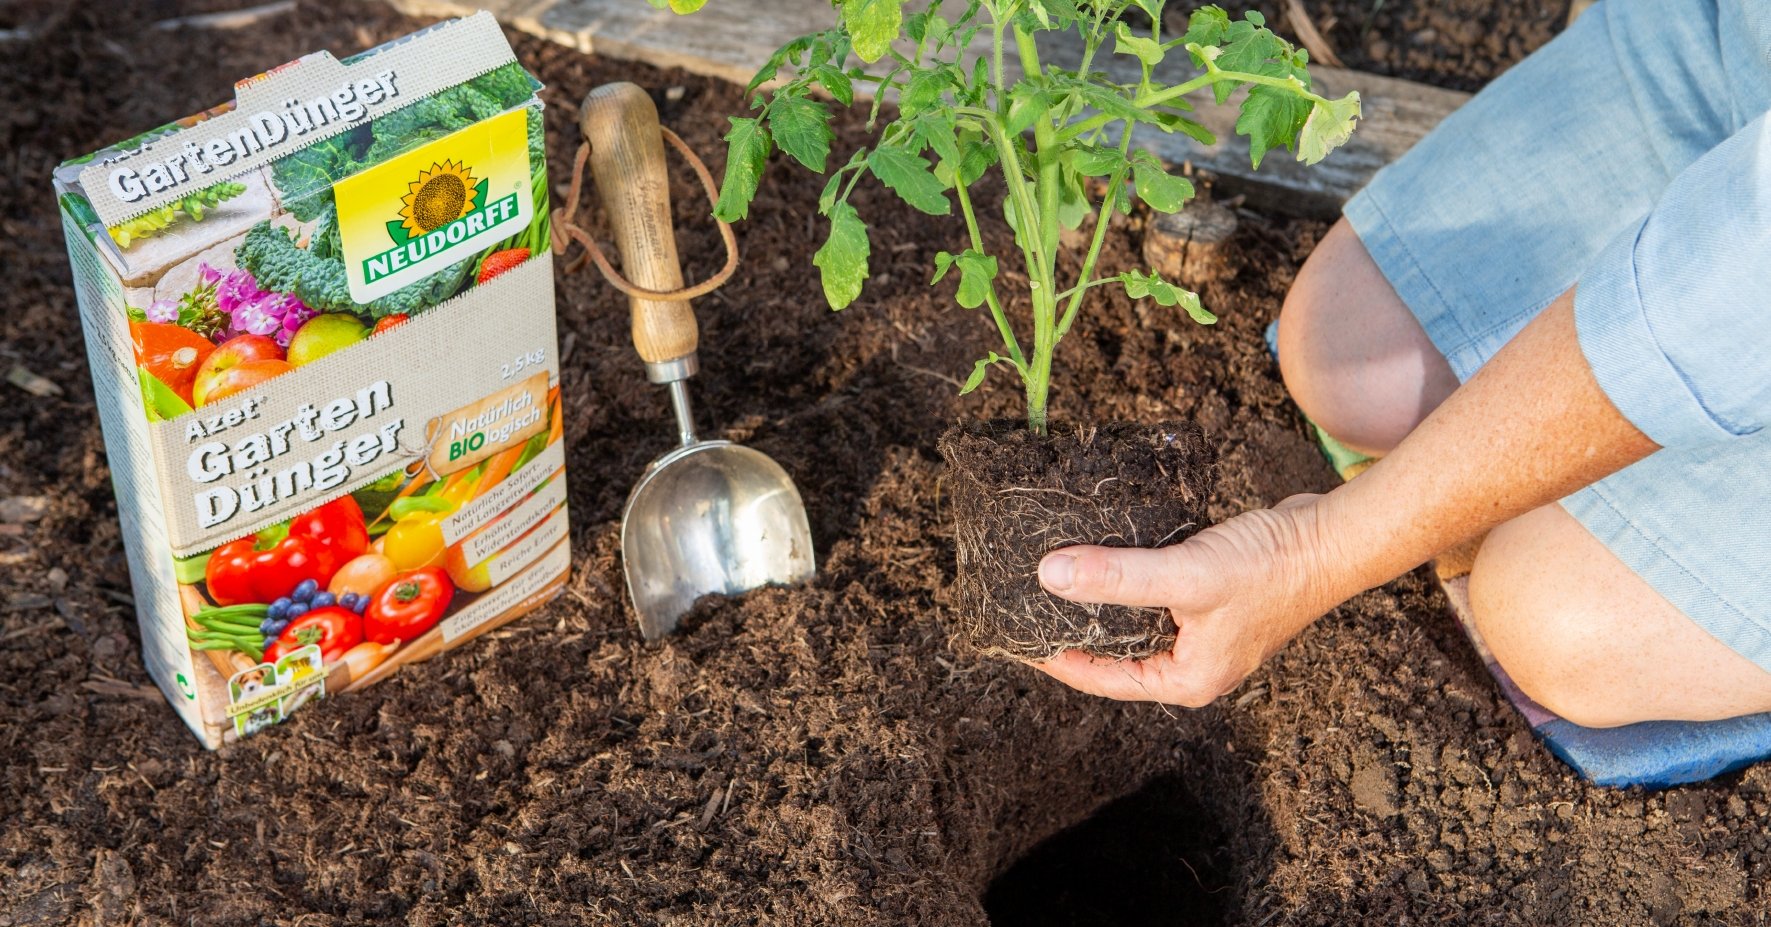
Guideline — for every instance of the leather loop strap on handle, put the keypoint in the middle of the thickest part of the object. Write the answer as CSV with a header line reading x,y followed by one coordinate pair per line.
x,y
562,222
623,145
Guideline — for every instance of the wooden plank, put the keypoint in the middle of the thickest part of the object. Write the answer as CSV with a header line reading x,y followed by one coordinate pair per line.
x,y
730,38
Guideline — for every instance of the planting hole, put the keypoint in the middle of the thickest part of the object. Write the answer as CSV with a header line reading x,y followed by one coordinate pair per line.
x,y
1156,856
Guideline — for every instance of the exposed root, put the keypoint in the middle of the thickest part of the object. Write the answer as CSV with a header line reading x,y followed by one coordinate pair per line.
x,y
1016,497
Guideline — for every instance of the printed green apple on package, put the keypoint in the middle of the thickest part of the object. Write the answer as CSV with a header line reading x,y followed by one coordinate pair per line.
x,y
320,322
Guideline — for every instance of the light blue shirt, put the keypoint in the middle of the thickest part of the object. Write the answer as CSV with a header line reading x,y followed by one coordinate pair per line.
x,y
1675,314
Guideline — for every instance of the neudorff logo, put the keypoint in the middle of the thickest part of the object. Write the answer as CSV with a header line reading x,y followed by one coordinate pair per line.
x,y
423,212
446,207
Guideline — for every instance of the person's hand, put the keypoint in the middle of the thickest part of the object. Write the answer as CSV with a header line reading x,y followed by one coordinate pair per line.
x,y
1237,591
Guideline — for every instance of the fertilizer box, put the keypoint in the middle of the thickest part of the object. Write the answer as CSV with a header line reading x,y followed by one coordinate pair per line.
x,y
320,322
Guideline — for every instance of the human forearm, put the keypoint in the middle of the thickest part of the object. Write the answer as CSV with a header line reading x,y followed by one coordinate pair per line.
x,y
1530,427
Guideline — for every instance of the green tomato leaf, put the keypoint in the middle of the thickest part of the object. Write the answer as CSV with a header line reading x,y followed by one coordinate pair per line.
x,y
1144,48
1140,285
827,198
1137,285
1159,189
1328,127
978,370
980,81
785,55
835,83
1152,7
977,272
1112,102
935,128
1093,160
943,263
976,157
924,91
747,152
1251,48
1072,197
916,25
842,261
1190,302
1243,45
936,29
833,187
801,127
1207,25
1056,14
907,174
1027,102
873,24
1175,122
1271,118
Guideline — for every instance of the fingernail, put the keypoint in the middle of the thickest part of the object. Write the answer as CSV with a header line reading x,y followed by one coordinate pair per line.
x,y
1057,571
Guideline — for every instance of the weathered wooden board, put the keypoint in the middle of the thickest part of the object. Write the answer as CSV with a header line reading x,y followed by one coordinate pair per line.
x,y
730,38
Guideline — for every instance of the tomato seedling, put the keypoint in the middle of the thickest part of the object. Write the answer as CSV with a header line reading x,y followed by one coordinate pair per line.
x,y
1045,134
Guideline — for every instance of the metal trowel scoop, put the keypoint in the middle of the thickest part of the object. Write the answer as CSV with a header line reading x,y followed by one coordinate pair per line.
x,y
710,516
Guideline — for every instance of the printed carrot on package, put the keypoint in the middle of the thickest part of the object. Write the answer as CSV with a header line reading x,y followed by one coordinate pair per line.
x,y
320,322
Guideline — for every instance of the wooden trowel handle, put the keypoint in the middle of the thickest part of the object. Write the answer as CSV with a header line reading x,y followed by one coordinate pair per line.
x,y
627,162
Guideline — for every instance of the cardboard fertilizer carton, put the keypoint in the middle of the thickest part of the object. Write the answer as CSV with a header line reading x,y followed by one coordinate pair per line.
x,y
320,322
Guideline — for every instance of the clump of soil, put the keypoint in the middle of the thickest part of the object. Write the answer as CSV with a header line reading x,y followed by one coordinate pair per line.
x,y
819,755
1017,496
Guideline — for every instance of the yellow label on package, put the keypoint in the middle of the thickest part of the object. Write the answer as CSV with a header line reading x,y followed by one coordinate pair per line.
x,y
410,216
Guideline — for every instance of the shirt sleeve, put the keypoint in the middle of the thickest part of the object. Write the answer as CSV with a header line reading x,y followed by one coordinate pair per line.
x,y
1674,316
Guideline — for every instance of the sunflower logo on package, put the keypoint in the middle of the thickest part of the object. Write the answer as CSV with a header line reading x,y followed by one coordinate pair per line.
x,y
427,213
446,192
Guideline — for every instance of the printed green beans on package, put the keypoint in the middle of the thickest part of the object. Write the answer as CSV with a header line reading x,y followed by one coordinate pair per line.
x,y
320,322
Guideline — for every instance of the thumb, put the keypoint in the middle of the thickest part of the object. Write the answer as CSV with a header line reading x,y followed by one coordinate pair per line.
x,y
1117,575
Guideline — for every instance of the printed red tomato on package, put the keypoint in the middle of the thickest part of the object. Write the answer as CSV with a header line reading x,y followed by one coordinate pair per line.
x,y
409,606
268,565
334,628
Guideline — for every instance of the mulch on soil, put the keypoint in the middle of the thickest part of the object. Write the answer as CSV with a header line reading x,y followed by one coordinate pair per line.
x,y
818,755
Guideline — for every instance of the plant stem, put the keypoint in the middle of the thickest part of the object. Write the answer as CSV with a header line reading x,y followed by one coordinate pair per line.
x,y
1099,281
1008,333
1043,232
996,27
1211,76
1020,199
1115,190
1094,251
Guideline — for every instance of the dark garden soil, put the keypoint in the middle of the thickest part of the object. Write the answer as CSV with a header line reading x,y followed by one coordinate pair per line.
x,y
811,756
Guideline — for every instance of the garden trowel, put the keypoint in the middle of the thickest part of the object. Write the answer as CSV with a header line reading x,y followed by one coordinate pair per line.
x,y
710,516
